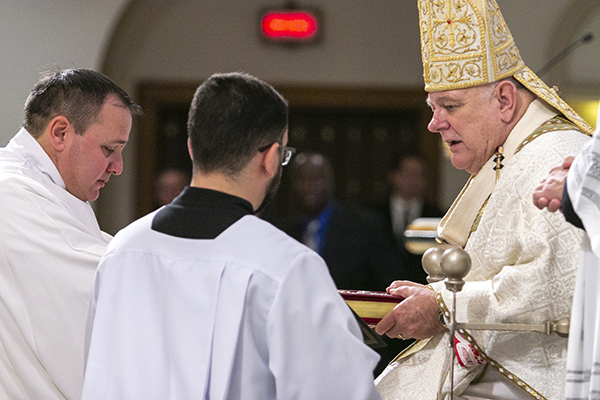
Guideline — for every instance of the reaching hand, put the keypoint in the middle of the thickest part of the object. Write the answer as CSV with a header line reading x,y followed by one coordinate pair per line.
x,y
417,316
548,194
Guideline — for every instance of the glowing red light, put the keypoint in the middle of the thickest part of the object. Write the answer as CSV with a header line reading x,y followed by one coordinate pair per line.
x,y
290,25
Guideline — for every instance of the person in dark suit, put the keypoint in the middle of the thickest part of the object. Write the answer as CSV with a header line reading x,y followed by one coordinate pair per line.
x,y
408,181
351,239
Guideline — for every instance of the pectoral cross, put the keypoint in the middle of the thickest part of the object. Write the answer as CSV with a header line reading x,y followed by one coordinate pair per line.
x,y
499,157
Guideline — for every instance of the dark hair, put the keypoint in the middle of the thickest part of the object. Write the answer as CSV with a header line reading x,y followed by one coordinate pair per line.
x,y
231,117
77,94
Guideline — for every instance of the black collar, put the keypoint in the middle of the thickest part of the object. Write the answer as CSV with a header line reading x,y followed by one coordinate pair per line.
x,y
200,214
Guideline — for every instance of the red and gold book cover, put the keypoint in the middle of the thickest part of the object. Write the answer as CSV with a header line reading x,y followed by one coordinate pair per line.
x,y
370,306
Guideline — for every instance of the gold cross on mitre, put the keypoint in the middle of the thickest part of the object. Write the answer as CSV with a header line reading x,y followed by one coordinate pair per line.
x,y
450,20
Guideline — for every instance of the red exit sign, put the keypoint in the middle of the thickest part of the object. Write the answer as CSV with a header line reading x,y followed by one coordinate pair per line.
x,y
290,26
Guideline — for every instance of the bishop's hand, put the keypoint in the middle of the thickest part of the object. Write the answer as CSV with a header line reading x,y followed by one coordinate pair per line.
x,y
417,316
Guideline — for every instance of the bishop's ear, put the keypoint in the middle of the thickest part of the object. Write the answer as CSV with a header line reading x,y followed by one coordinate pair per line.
x,y
507,96
58,131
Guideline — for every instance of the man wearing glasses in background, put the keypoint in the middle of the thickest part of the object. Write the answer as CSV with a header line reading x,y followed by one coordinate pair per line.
x,y
202,299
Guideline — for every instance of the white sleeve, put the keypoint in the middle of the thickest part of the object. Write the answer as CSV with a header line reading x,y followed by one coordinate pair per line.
x,y
47,263
583,185
316,350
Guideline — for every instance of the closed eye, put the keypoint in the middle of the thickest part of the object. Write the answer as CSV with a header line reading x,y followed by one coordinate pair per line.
x,y
107,151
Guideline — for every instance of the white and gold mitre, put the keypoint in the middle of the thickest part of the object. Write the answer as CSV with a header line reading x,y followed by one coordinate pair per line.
x,y
466,43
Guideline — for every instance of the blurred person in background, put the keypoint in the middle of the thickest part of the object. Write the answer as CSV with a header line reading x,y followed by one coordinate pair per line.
x,y
351,239
408,181
169,184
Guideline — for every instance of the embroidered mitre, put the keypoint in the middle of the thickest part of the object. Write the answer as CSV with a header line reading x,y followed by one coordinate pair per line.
x,y
466,43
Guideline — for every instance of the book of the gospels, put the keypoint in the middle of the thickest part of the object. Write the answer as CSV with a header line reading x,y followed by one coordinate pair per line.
x,y
369,308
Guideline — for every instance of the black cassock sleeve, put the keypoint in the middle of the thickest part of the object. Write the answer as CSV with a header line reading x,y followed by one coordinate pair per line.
x,y
568,211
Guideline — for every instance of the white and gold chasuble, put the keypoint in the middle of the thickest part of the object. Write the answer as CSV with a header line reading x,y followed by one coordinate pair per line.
x,y
523,270
524,260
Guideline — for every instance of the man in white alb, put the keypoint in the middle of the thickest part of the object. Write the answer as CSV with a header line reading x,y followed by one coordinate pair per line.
x,y
202,299
76,124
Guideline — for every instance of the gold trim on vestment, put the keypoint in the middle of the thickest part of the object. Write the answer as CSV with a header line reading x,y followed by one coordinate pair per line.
x,y
413,348
537,86
478,217
557,123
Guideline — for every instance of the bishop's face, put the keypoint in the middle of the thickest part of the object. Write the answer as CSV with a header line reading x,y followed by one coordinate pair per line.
x,y
468,121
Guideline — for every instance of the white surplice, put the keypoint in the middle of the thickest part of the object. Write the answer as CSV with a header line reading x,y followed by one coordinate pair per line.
x,y
251,314
50,245
583,359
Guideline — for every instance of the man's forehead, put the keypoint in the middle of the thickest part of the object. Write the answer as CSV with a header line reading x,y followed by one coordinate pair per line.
x,y
110,136
118,141
451,95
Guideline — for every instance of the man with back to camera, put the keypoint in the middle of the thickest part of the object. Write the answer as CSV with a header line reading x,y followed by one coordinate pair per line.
x,y
507,128
76,124
202,299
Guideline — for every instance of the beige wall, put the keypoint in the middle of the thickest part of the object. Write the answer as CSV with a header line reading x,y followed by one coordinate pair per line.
x,y
365,43
36,35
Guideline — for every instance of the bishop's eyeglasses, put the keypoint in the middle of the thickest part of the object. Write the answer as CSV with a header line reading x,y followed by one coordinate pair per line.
x,y
286,151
